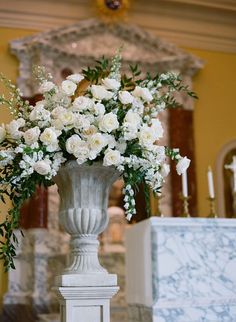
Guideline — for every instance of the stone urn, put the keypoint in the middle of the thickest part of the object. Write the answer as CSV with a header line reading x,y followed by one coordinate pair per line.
x,y
85,287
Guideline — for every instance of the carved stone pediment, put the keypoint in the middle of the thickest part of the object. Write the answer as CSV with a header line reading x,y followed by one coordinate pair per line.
x,y
74,47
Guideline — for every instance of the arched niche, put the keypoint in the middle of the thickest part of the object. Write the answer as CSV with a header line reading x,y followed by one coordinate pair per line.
x,y
71,48
224,180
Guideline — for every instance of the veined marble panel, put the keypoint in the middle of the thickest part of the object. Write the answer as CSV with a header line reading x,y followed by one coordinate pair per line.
x,y
189,273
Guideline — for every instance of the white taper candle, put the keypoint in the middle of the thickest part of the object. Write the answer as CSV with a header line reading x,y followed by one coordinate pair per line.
x,y
210,183
185,184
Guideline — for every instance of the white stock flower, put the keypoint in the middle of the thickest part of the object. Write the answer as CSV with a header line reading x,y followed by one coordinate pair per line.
x,y
112,157
42,167
111,83
143,92
130,131
76,78
182,165
132,118
108,122
31,136
100,92
97,142
125,97
146,136
157,129
68,87
39,113
82,103
2,133
13,130
46,86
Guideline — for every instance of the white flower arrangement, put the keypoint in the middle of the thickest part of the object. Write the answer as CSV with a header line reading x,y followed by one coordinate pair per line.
x,y
98,115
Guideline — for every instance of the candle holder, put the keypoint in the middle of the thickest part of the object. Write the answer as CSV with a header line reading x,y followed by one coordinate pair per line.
x,y
234,205
158,212
185,213
212,213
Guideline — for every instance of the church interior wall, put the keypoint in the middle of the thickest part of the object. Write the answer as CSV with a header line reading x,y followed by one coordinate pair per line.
x,y
215,111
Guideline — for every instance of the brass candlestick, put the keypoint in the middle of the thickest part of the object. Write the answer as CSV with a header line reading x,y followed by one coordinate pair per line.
x,y
158,212
212,213
185,213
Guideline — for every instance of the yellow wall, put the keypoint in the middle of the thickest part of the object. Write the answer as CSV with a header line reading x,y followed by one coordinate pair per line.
x,y
215,114
215,111
8,66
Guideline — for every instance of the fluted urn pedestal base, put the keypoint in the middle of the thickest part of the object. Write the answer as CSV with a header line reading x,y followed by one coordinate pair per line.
x,y
85,287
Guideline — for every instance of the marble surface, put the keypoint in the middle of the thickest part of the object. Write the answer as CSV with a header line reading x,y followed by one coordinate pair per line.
x,y
192,263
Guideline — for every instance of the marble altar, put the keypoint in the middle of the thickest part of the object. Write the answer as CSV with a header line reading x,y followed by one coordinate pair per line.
x,y
181,270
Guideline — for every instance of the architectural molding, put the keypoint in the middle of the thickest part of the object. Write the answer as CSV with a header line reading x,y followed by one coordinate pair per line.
x,y
208,25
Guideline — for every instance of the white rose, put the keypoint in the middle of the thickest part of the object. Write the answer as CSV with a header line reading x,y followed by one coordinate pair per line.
x,y
99,109
111,142
112,157
125,97
157,129
100,92
31,136
82,103
56,112
76,78
68,87
72,144
143,92
90,131
133,118
42,167
111,83
13,130
182,165
97,142
108,122
2,133
146,136
49,138
82,122
46,86
67,118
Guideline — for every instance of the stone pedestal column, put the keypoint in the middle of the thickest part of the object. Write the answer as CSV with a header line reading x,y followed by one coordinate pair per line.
x,y
85,287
